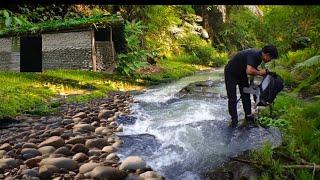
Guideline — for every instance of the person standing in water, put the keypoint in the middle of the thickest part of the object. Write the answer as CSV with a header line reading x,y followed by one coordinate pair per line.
x,y
236,72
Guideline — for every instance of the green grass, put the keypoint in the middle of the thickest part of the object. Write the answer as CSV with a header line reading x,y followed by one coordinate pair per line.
x,y
301,140
33,92
36,93
172,69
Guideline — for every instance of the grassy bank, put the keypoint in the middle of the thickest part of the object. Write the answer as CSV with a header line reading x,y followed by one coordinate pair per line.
x,y
300,124
35,93
296,112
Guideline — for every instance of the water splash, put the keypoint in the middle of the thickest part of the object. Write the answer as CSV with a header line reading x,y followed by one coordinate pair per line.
x,y
189,135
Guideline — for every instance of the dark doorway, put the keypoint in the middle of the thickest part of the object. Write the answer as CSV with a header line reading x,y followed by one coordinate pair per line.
x,y
31,54
102,34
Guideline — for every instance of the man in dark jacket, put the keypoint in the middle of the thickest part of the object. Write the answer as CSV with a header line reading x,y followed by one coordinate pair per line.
x,y
236,72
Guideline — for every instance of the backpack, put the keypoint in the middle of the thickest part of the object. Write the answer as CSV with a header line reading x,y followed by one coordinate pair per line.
x,y
269,87
265,93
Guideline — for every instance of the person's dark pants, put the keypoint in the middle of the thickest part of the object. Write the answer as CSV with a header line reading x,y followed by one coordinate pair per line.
x,y
231,84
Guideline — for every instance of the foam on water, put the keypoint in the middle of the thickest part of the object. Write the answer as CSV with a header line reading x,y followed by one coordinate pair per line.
x,y
193,133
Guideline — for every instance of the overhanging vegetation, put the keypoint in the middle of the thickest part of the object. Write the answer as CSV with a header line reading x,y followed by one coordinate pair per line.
x,y
61,25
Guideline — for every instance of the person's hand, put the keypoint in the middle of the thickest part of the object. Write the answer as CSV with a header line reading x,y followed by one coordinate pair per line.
x,y
263,72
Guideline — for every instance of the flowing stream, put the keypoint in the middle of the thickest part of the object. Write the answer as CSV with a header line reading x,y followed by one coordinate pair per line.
x,y
182,137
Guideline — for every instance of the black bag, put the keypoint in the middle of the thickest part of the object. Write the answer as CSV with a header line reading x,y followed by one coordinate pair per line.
x,y
269,87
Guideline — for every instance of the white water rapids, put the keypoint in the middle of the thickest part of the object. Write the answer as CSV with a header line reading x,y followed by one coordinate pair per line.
x,y
184,137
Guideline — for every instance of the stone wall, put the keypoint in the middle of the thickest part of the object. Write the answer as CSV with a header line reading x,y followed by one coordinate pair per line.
x,y
4,60
105,59
71,50
8,60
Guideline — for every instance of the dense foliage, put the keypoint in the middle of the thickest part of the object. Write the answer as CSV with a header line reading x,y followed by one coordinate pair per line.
x,y
168,42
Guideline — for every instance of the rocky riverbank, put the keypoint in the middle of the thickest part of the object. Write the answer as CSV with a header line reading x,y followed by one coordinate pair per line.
x,y
79,143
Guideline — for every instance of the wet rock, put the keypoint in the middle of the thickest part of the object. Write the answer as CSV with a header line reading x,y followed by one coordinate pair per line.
x,y
18,145
111,173
30,173
31,178
29,145
2,153
113,124
54,141
112,156
47,150
88,167
79,177
61,162
150,174
108,149
105,114
63,150
8,163
99,130
57,132
76,120
76,140
132,176
67,122
80,115
33,162
46,171
94,152
94,158
111,119
83,128
111,140
117,144
6,147
80,157
133,163
120,128
106,132
56,155
79,148
96,143
28,153
95,124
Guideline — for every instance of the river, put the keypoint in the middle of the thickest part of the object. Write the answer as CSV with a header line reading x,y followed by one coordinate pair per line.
x,y
183,137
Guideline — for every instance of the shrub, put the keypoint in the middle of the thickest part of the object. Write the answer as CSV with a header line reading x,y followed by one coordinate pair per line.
x,y
206,54
136,57
292,58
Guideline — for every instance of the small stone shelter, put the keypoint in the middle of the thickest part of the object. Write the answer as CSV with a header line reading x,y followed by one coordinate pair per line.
x,y
91,46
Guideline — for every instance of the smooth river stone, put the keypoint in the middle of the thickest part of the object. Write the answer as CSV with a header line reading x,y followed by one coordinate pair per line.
x,y
88,167
76,140
54,141
133,163
60,162
102,172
